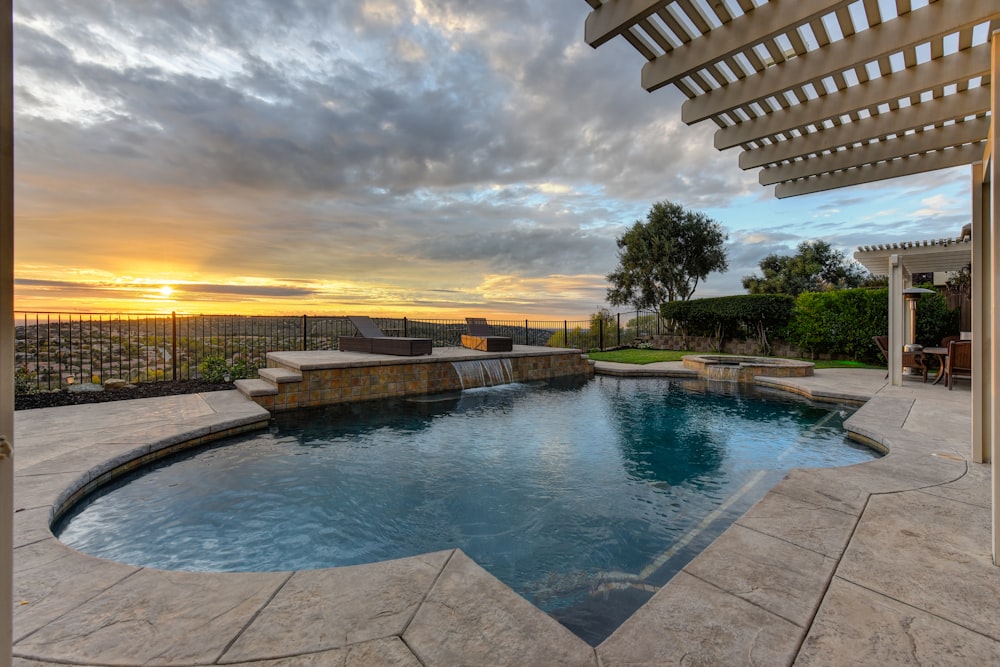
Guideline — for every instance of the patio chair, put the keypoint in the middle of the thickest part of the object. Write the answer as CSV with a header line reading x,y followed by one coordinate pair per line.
x,y
480,337
371,340
910,359
959,364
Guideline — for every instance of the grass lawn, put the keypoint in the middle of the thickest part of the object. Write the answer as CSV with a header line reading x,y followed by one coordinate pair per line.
x,y
636,356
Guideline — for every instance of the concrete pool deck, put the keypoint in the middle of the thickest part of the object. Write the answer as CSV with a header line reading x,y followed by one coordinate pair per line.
x,y
885,562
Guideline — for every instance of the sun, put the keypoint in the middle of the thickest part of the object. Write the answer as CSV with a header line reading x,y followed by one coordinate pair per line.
x,y
166,291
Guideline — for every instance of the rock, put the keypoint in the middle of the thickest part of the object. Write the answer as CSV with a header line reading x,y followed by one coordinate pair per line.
x,y
113,384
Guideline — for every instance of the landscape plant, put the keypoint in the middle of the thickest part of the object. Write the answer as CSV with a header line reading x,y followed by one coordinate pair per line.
x,y
815,267
664,258
842,322
757,316
216,369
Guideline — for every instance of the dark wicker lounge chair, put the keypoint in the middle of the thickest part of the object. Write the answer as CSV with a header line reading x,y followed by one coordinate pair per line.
x,y
480,337
370,339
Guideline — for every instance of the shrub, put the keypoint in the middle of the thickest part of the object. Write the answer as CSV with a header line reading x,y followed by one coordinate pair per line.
x,y
840,321
845,321
214,369
757,316
24,381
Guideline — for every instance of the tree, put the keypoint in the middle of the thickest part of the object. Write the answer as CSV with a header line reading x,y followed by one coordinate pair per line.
x,y
815,267
664,258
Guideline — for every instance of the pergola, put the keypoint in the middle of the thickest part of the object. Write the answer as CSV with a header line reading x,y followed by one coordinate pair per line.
x,y
823,94
900,261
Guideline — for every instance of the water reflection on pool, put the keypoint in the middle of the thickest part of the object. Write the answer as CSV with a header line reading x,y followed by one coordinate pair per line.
x,y
582,497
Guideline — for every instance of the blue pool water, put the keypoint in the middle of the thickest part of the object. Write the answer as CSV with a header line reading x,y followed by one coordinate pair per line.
x,y
582,497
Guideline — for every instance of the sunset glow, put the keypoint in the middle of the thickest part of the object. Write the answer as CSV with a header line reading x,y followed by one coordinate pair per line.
x,y
381,158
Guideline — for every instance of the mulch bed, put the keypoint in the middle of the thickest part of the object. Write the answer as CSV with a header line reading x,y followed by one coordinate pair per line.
x,y
51,399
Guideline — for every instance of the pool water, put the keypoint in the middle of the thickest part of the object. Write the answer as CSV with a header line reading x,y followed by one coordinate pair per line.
x,y
583,497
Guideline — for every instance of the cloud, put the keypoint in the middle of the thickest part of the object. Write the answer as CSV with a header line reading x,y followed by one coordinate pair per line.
x,y
404,150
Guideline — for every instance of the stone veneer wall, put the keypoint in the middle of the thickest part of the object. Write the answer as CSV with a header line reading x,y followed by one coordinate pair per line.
x,y
729,346
365,383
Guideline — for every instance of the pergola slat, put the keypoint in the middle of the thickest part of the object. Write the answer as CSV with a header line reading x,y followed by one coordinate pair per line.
x,y
937,139
963,65
615,18
898,35
737,36
970,102
917,164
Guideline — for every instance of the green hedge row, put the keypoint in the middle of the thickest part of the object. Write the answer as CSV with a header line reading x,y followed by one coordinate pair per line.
x,y
836,322
754,316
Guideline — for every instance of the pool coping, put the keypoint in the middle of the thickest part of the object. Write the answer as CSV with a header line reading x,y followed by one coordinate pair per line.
x,y
772,589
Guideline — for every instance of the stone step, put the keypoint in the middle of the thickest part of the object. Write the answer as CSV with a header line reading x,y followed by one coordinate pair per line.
x,y
251,388
279,375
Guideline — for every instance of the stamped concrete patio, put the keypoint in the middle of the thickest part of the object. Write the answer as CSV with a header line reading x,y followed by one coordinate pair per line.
x,y
885,562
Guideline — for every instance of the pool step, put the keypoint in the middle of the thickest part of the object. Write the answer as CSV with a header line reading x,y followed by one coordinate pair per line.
x,y
267,384
279,375
251,388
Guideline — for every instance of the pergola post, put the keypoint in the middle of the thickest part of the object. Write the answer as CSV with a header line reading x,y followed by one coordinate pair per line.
x,y
897,282
993,415
982,297
6,333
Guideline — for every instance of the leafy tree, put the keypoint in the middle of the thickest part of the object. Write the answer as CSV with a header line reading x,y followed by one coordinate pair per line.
x,y
664,258
815,267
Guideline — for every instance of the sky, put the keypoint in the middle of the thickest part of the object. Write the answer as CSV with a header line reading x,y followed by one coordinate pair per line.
x,y
435,158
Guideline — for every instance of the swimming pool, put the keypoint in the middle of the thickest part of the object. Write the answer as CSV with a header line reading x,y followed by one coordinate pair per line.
x,y
582,497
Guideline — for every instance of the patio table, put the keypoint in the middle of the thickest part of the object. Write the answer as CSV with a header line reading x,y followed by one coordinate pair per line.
x,y
942,356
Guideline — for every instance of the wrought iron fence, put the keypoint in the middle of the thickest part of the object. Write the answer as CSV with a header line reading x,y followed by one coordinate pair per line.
x,y
55,349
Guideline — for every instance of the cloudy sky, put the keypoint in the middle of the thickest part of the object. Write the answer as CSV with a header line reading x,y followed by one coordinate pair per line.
x,y
425,157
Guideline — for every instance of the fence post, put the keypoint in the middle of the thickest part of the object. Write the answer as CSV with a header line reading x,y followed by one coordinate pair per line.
x,y
173,345
600,332
526,332
405,328
619,343
305,332
565,334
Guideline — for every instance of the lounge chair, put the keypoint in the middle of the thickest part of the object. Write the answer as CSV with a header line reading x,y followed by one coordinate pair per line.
x,y
480,337
959,365
910,359
371,340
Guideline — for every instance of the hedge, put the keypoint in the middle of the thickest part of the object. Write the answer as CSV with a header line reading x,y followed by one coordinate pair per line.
x,y
757,316
838,321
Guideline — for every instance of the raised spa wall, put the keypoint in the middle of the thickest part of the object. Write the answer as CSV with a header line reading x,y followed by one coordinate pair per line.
x,y
295,380
745,369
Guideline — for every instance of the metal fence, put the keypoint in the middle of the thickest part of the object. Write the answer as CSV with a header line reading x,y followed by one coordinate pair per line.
x,y
54,349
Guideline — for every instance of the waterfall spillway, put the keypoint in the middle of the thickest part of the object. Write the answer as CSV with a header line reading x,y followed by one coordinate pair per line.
x,y
725,372
483,372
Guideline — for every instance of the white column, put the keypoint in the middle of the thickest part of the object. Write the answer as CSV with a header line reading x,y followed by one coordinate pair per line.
x,y
994,314
6,333
982,296
896,320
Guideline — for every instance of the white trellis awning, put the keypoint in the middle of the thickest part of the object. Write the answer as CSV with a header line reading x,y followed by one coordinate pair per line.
x,y
917,256
820,94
